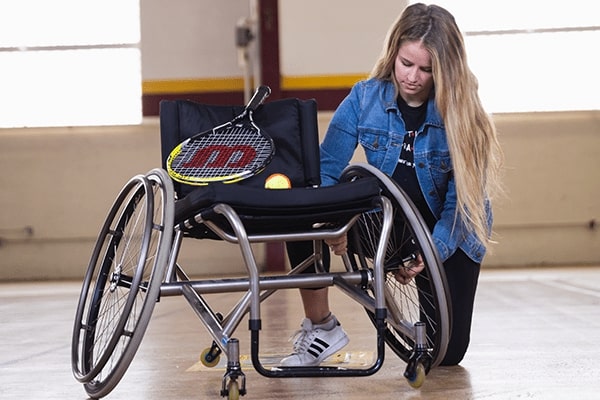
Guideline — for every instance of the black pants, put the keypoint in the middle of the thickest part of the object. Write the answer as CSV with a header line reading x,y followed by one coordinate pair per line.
x,y
462,275
299,251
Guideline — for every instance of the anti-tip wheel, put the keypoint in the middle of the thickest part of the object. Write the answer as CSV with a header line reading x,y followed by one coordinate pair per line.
x,y
419,377
208,360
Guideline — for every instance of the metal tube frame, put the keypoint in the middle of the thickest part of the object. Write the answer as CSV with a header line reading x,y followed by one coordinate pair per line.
x,y
257,288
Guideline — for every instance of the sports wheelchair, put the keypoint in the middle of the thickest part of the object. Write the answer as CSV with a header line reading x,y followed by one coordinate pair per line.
x,y
135,260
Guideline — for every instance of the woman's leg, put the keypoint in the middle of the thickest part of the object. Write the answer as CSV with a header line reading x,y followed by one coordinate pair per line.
x,y
321,335
314,301
316,305
462,275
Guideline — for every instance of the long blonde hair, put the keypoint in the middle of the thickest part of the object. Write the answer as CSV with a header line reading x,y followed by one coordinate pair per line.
x,y
471,134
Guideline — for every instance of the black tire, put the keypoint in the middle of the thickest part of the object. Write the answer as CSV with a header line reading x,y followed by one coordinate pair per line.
x,y
122,283
425,298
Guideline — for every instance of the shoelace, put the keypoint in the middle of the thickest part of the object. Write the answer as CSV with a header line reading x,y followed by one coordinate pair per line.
x,y
300,338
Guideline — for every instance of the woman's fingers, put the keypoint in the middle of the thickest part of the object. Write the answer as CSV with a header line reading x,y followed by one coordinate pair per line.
x,y
338,245
406,273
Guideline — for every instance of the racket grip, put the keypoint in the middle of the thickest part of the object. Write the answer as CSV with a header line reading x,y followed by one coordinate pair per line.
x,y
261,93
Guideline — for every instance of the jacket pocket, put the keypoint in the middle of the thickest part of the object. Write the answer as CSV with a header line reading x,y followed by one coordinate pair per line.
x,y
375,144
440,168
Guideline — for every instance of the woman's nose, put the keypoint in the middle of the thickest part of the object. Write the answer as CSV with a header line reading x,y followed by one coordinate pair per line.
x,y
412,75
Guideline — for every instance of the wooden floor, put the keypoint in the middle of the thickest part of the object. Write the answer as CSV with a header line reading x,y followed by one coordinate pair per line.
x,y
536,335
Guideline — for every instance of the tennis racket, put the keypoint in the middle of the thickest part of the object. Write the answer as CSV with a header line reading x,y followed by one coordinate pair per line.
x,y
227,153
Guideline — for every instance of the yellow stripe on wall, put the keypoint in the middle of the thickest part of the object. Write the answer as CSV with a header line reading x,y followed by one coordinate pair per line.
x,y
320,81
163,86
192,85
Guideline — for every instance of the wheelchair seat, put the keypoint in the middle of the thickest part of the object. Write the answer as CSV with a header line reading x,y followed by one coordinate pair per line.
x,y
293,126
276,210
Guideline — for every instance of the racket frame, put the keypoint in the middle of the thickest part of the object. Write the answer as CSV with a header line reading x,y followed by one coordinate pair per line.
x,y
261,93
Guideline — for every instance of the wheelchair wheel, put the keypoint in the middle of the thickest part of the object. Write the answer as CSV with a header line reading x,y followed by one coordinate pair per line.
x,y
423,299
122,283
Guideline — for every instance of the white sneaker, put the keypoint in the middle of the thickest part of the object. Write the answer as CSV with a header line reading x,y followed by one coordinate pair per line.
x,y
314,344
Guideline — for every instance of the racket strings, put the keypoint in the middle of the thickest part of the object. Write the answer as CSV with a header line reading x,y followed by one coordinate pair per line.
x,y
228,153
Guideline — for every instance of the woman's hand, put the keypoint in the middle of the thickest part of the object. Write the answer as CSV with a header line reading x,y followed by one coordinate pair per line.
x,y
338,245
406,273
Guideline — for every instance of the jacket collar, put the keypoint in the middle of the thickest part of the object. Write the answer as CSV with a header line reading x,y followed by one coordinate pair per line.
x,y
388,96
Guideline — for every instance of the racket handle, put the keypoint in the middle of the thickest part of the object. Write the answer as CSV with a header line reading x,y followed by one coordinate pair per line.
x,y
262,92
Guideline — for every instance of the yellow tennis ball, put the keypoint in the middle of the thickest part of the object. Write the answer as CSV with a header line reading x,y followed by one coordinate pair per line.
x,y
277,181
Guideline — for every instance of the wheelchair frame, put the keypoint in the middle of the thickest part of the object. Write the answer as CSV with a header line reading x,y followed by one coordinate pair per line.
x,y
101,369
134,262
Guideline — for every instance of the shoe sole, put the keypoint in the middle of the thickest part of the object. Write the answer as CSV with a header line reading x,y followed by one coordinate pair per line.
x,y
331,350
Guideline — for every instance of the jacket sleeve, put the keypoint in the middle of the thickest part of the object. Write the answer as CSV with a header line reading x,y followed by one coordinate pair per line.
x,y
341,139
447,230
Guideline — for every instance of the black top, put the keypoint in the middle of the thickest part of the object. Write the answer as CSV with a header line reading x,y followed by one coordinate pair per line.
x,y
405,173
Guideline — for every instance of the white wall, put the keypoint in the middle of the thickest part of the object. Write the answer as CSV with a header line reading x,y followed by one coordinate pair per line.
x,y
188,39
183,39
344,37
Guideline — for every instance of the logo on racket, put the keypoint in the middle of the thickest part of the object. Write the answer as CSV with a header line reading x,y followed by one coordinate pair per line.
x,y
222,156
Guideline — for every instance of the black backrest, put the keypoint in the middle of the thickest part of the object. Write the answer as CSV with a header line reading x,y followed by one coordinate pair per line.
x,y
292,123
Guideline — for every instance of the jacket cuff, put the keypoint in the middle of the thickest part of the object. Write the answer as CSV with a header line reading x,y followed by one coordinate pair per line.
x,y
443,250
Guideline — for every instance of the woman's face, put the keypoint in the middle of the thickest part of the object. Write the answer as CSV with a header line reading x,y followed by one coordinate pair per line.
x,y
412,70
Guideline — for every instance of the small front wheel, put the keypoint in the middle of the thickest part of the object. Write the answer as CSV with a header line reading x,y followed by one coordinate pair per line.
x,y
208,358
233,390
417,378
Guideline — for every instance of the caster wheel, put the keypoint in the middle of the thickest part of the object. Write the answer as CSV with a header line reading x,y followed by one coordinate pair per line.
x,y
209,360
233,391
419,377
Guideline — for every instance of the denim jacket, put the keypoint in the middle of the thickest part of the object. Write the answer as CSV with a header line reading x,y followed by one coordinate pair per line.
x,y
369,116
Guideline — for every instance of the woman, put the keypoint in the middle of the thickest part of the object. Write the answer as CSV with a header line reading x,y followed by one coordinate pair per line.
x,y
419,119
